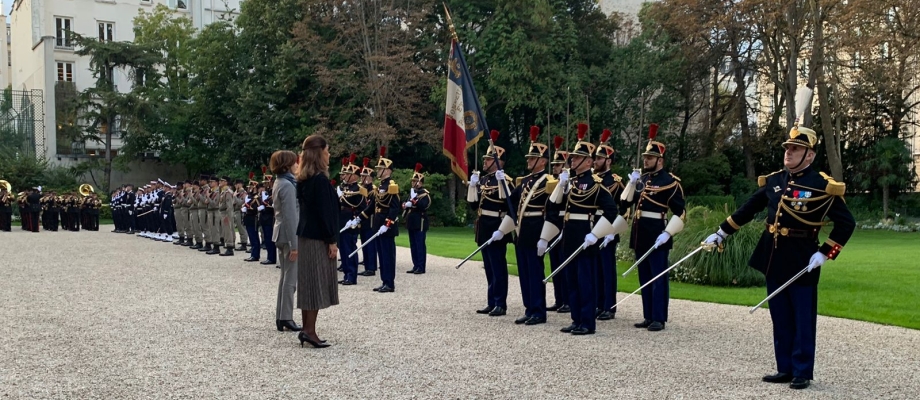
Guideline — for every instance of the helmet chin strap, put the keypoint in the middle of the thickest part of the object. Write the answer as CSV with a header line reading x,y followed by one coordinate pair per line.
x,y
802,161
575,167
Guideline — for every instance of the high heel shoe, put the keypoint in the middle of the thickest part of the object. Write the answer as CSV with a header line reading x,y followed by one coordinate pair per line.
x,y
304,338
288,324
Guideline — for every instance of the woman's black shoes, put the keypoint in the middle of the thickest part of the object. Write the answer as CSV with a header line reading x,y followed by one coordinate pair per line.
x,y
304,338
290,325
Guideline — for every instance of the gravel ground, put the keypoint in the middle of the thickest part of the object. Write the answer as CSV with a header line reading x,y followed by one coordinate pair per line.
x,y
100,315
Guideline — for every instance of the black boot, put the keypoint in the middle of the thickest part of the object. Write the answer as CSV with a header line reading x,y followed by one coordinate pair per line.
x,y
228,252
241,248
207,247
196,246
214,250
180,242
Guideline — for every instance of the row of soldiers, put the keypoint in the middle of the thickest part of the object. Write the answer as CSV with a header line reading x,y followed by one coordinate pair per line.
x,y
50,211
372,212
203,215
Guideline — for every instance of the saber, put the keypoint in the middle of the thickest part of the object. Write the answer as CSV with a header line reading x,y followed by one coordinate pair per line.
x,y
567,261
641,259
346,227
371,239
554,243
605,243
488,242
703,246
148,212
780,289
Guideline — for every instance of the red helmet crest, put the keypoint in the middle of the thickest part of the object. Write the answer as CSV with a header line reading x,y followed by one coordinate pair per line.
x,y
366,160
605,136
582,131
557,142
351,158
534,133
494,135
418,167
652,131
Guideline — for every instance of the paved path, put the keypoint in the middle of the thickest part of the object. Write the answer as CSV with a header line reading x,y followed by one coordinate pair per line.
x,y
111,316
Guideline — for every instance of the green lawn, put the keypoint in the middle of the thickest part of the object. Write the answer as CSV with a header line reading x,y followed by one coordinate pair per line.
x,y
874,279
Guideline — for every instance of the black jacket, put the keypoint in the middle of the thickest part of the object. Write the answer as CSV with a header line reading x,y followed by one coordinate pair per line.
x,y
586,197
319,216
662,193
417,215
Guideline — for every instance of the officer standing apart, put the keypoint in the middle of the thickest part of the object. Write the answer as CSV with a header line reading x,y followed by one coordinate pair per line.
x,y
798,199
607,256
529,196
386,212
654,192
590,213
487,196
416,212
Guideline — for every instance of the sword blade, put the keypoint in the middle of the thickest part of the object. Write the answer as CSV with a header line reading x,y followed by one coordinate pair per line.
x,y
371,239
478,249
567,261
640,260
779,289
660,275
554,243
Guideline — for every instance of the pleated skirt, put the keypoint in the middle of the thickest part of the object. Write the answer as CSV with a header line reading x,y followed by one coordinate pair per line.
x,y
316,276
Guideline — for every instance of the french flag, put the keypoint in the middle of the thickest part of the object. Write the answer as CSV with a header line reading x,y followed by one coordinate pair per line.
x,y
464,122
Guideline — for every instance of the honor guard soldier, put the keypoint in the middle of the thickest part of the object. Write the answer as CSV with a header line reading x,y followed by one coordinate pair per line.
x,y
238,200
129,202
386,212
93,205
590,213
416,212
607,254
529,196
168,212
560,285
33,199
115,205
226,205
251,218
798,199
487,194
654,192
267,220
369,251
351,203
181,212
6,207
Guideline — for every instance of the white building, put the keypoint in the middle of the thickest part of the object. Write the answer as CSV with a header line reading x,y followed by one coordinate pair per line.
x,y
44,54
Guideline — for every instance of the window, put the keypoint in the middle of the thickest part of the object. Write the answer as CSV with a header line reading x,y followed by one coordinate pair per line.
x,y
62,28
65,71
106,31
178,4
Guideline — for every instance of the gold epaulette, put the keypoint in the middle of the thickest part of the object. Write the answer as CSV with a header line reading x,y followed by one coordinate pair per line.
x,y
517,181
617,178
762,180
393,188
674,176
597,178
362,190
834,188
551,184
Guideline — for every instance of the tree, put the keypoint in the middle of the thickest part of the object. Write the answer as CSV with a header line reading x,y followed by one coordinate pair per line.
x,y
888,168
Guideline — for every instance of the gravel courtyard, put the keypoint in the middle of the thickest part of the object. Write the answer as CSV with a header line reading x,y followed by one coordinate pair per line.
x,y
98,315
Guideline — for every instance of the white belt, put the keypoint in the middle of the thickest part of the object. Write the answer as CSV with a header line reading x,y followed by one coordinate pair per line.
x,y
653,215
578,217
495,214
533,214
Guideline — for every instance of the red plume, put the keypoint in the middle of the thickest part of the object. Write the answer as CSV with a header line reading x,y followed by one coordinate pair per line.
x,y
332,182
366,160
534,133
494,135
582,131
351,158
418,167
264,170
344,161
383,151
252,175
557,142
652,131
605,136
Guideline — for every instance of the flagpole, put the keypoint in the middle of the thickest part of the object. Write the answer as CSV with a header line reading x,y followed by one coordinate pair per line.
x,y
453,35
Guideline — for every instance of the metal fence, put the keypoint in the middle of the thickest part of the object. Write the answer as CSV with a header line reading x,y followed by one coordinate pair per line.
x,y
22,121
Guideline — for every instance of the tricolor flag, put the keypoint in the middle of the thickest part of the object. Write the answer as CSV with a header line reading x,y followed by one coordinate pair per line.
x,y
464,121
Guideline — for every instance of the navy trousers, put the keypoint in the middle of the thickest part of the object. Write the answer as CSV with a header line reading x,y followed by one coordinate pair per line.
x,y
560,284
607,276
493,256
795,316
255,241
270,248
386,251
419,250
348,242
582,295
369,252
531,274
655,296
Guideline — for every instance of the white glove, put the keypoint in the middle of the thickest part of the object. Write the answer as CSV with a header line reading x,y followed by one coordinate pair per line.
x,y
408,204
474,180
816,261
264,196
383,229
260,208
590,239
244,209
634,176
662,239
247,199
563,176
164,216
607,240
497,235
412,194
353,223
541,247
500,174
339,192
716,238
130,212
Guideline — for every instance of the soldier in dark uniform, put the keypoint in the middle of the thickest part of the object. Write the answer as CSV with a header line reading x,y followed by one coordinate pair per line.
x,y
6,209
560,285
798,200
130,202
655,192
416,212
607,256
351,203
54,212
386,212
34,207
92,204
529,196
590,213
369,251
267,221
489,199
251,218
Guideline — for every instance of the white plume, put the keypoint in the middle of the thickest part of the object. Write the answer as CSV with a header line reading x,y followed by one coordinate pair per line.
x,y
802,102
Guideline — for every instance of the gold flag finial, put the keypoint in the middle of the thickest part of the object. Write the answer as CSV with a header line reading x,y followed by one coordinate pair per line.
x,y
450,23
